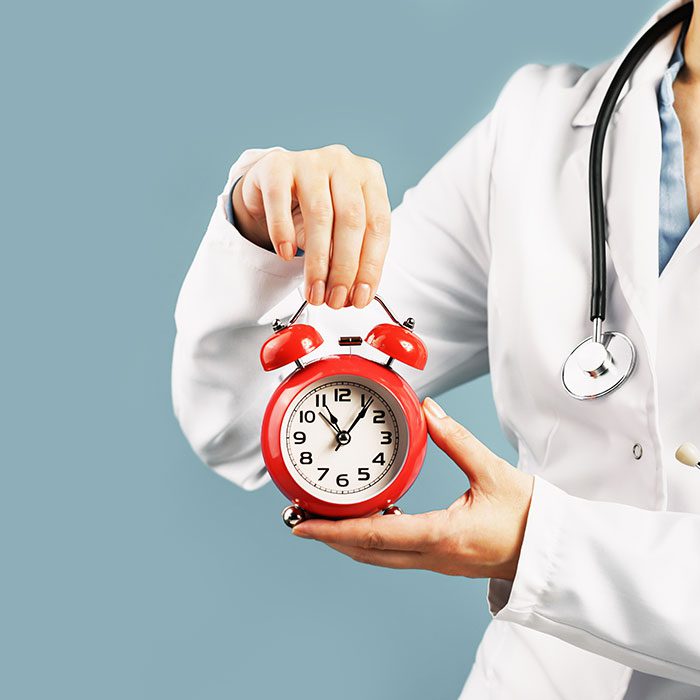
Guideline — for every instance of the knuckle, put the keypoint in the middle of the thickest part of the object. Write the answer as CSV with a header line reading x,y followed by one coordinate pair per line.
x,y
277,226
317,262
451,541
338,149
274,188
374,167
343,269
378,225
372,539
273,160
371,270
457,432
430,538
321,210
352,215
435,525
308,153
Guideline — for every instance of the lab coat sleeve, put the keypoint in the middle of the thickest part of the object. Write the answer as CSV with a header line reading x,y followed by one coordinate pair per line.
x,y
436,271
613,579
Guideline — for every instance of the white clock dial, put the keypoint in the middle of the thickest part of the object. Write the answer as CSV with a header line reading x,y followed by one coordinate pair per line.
x,y
344,438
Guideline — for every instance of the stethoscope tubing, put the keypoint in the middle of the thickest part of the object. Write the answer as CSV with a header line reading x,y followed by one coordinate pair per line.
x,y
595,168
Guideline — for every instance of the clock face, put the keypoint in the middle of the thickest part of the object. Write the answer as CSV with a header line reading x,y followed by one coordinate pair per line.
x,y
344,438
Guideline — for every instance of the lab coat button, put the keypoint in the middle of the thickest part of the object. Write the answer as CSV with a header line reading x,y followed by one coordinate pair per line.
x,y
637,451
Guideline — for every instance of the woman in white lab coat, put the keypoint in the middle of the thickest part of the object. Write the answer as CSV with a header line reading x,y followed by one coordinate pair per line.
x,y
595,539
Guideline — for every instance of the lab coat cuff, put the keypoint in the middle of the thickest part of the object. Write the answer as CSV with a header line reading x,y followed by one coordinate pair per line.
x,y
232,282
511,600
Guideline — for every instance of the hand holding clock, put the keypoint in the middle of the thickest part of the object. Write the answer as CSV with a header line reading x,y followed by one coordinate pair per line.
x,y
479,535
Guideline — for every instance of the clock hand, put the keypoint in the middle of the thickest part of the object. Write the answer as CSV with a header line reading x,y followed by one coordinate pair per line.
x,y
346,433
360,415
334,420
335,428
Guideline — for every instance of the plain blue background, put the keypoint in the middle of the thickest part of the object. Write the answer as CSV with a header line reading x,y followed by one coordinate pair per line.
x,y
128,570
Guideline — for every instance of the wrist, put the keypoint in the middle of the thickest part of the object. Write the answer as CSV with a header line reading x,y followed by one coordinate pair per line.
x,y
521,501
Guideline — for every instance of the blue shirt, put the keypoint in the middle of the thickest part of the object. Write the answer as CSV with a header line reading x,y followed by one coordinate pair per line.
x,y
674,219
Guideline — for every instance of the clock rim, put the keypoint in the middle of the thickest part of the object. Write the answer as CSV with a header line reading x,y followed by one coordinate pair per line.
x,y
327,367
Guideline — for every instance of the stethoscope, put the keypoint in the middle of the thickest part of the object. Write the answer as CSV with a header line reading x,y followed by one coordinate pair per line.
x,y
603,361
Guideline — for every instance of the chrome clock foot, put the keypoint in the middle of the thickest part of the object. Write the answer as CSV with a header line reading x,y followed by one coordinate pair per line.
x,y
293,515
392,510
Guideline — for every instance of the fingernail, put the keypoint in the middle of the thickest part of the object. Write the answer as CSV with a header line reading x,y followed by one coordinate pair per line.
x,y
433,408
360,297
299,533
337,296
318,292
286,250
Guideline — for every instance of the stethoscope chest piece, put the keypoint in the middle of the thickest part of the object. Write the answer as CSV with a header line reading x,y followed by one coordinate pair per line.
x,y
602,362
594,368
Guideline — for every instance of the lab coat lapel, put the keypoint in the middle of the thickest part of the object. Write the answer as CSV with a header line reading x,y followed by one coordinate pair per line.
x,y
632,204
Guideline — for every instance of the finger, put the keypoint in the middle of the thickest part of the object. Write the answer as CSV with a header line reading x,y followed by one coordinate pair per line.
x,y
275,180
375,243
403,532
348,229
388,558
470,455
298,226
314,196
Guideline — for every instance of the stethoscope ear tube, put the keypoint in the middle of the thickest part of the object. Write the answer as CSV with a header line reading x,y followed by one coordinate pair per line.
x,y
601,363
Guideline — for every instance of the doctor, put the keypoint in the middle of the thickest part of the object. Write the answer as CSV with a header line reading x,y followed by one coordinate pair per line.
x,y
593,544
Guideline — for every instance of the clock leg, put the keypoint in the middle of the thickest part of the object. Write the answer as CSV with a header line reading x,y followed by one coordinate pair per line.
x,y
392,510
293,515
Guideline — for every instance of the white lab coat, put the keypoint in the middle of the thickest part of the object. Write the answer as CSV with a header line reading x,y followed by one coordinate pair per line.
x,y
490,253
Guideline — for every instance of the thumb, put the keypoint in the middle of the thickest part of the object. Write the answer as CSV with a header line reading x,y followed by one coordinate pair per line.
x,y
470,455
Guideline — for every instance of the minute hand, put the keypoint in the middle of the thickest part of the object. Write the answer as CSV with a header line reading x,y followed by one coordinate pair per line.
x,y
361,414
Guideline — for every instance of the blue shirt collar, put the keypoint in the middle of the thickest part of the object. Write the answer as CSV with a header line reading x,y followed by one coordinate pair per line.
x,y
674,65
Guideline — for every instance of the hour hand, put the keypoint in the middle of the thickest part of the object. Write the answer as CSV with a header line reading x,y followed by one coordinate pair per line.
x,y
333,422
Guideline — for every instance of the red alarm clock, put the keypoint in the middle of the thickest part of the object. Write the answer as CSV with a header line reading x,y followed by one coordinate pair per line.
x,y
343,436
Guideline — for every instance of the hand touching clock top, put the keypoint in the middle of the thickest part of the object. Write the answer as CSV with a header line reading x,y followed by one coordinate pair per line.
x,y
328,201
